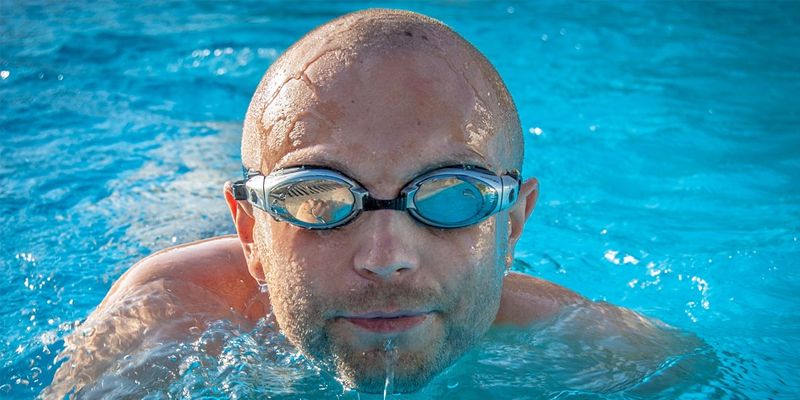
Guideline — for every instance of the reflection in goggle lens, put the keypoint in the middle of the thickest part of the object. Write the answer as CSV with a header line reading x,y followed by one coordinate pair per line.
x,y
313,201
453,200
447,201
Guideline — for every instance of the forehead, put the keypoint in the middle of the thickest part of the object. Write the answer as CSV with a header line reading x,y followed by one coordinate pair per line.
x,y
381,116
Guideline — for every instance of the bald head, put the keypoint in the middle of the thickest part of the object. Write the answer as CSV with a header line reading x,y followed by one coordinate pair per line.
x,y
381,72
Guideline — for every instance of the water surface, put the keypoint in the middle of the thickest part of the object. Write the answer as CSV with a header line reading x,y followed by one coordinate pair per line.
x,y
664,137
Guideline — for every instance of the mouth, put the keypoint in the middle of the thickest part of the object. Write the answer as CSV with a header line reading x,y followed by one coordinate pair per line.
x,y
387,322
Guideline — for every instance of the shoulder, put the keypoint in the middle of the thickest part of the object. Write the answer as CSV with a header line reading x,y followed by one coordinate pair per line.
x,y
527,300
163,298
214,267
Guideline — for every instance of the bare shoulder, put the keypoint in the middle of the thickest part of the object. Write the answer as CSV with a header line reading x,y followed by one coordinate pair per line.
x,y
527,300
167,297
607,335
214,266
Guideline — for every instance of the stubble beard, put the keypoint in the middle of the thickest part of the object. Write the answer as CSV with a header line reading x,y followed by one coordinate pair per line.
x,y
302,321
301,316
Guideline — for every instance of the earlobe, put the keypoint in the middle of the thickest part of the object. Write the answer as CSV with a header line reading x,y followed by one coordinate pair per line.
x,y
244,221
529,193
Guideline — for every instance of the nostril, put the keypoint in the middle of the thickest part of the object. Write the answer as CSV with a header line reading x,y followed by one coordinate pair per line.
x,y
385,271
386,248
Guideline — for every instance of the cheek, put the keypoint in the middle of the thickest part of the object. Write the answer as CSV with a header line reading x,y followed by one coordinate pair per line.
x,y
300,268
501,235
318,257
488,247
293,280
477,274
483,245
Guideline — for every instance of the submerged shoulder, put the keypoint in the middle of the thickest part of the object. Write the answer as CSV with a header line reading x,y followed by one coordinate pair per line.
x,y
527,300
215,266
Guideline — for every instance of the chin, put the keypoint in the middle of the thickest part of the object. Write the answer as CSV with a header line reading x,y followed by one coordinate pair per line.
x,y
367,372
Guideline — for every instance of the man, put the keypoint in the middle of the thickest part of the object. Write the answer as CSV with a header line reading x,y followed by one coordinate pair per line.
x,y
380,208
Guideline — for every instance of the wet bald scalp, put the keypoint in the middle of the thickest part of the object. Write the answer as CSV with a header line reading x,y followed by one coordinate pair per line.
x,y
347,42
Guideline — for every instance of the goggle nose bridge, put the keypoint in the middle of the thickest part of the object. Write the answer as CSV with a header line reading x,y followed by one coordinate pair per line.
x,y
371,204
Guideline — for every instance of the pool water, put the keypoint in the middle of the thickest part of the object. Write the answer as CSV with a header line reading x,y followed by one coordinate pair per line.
x,y
664,136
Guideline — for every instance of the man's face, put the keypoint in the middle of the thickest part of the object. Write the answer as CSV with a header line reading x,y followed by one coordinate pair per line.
x,y
340,295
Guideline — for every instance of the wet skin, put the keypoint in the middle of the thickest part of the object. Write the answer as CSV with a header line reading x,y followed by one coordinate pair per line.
x,y
381,118
218,266
381,111
206,281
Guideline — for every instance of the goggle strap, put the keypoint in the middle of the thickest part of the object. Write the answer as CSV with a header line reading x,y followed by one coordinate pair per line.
x,y
371,204
511,186
239,190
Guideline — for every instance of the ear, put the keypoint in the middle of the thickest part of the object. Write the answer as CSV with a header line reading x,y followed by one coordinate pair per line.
x,y
244,221
528,193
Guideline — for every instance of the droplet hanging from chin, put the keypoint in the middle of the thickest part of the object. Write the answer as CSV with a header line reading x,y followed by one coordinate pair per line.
x,y
262,286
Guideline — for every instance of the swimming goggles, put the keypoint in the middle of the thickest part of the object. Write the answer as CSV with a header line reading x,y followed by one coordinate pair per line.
x,y
322,198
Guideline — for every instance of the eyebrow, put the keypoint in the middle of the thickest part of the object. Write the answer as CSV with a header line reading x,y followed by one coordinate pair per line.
x,y
461,160
319,161
471,158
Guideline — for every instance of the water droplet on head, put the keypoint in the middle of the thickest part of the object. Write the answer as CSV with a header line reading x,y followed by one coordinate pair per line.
x,y
535,131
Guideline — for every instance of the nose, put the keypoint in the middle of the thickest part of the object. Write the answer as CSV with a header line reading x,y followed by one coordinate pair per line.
x,y
387,248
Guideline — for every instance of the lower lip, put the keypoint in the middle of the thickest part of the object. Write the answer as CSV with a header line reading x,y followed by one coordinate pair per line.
x,y
388,325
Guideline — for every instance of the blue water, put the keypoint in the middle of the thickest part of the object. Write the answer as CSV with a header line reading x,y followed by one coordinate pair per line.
x,y
664,135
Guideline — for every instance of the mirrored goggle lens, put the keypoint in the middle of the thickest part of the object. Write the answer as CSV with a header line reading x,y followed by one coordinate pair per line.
x,y
312,202
454,201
